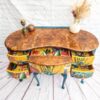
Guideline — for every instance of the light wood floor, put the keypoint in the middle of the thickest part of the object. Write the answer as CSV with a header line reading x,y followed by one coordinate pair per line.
x,y
50,87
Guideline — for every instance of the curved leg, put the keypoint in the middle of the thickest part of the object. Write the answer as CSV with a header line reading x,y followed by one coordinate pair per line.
x,y
82,81
72,74
35,76
20,80
64,80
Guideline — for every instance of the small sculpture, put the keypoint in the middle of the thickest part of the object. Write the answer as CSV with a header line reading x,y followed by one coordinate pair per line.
x,y
30,28
27,29
24,30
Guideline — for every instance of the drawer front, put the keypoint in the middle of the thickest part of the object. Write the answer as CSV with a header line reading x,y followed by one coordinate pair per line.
x,y
84,60
15,58
82,74
50,69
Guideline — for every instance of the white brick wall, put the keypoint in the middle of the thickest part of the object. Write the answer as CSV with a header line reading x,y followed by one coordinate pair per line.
x,y
45,13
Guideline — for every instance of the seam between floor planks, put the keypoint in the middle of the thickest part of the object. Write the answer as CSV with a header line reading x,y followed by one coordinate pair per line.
x,y
53,86
96,81
92,89
82,93
68,91
27,89
5,84
11,91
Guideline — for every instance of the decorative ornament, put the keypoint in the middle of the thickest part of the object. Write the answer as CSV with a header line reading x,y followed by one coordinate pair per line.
x,y
23,23
79,12
27,29
30,28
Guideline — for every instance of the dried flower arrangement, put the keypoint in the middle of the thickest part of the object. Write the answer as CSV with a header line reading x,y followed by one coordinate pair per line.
x,y
80,11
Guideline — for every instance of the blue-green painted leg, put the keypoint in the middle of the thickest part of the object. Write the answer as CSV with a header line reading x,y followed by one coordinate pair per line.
x,y
82,81
20,80
64,80
72,75
35,76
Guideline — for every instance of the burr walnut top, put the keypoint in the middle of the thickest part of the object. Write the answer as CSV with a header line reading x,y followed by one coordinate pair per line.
x,y
51,37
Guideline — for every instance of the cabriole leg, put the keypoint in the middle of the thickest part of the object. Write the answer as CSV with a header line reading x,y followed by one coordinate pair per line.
x,y
35,76
64,80
82,81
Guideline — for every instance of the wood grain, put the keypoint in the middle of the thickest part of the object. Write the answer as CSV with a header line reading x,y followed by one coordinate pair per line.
x,y
52,37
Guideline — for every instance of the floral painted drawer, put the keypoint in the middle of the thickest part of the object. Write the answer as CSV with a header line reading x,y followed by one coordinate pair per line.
x,y
82,73
18,71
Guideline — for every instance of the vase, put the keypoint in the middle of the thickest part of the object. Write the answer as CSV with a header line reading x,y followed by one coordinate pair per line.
x,y
75,27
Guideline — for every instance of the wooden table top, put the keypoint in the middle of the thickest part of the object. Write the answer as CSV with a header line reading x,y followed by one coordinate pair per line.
x,y
52,37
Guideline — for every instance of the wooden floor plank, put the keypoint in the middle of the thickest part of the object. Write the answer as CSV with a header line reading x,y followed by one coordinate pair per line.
x,y
20,90
33,91
42,92
96,75
12,91
59,93
4,92
27,89
82,92
93,87
4,82
88,92
74,90
46,91
67,84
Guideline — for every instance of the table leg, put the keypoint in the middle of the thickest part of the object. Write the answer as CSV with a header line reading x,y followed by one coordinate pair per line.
x,y
64,80
82,81
35,76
